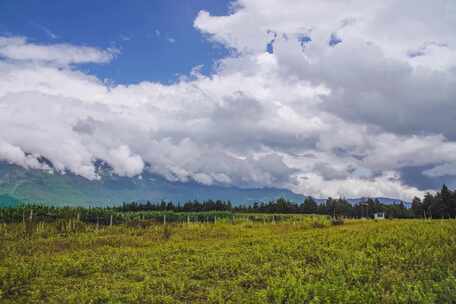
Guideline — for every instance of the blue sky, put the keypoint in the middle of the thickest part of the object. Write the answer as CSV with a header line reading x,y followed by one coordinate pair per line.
x,y
156,39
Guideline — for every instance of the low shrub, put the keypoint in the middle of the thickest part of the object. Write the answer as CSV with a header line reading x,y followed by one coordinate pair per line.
x,y
317,224
337,221
167,232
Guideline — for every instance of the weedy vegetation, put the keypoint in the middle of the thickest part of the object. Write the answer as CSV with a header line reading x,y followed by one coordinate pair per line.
x,y
233,259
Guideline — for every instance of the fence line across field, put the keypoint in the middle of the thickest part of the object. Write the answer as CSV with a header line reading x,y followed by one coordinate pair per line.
x,y
112,218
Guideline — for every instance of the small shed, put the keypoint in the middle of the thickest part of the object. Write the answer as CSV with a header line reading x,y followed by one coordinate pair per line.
x,y
379,215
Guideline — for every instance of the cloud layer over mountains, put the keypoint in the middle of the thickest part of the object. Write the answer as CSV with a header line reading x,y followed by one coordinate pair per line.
x,y
325,98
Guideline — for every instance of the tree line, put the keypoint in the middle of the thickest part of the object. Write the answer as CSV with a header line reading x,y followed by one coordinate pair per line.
x,y
190,206
332,207
440,205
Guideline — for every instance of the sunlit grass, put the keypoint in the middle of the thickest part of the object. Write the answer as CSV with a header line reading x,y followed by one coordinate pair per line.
x,y
302,260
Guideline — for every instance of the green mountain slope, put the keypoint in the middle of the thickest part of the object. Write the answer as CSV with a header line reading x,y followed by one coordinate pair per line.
x,y
68,189
7,200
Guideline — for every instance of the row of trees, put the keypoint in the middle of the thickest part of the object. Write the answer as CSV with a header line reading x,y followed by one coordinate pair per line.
x,y
440,205
190,206
333,207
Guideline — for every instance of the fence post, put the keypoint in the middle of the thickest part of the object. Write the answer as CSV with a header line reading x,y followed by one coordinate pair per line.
x,y
188,219
110,221
164,219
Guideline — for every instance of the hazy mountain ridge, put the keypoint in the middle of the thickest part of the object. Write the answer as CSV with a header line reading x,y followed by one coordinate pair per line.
x,y
18,184
69,189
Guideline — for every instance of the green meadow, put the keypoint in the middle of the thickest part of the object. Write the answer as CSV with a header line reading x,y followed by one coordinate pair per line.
x,y
303,259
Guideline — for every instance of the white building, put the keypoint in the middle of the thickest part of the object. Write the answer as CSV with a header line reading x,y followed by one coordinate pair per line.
x,y
379,215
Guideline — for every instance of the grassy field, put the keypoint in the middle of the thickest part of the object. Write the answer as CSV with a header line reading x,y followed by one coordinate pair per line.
x,y
304,260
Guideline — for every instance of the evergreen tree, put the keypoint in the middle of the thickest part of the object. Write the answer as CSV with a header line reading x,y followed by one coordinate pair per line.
x,y
309,206
417,207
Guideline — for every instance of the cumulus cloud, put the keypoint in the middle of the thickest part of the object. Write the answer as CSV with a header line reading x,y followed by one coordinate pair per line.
x,y
328,98
124,162
388,183
16,156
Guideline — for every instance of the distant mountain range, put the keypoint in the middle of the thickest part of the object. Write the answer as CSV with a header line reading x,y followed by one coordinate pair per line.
x,y
21,185
383,200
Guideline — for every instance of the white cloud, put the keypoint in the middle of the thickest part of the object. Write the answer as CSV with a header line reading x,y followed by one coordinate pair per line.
x,y
442,170
394,26
341,120
124,163
47,31
16,156
17,48
386,185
